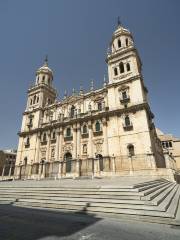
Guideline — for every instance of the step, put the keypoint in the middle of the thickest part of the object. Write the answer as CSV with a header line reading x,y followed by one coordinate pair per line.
x,y
97,203
89,209
172,209
159,198
154,194
69,189
148,187
75,199
149,183
167,201
108,193
151,190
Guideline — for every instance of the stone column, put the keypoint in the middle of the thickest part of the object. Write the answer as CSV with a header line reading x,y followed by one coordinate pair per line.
x,y
74,142
130,165
10,169
106,149
113,164
43,170
78,141
3,171
30,171
60,143
90,143
37,147
57,145
60,170
78,167
40,170
48,145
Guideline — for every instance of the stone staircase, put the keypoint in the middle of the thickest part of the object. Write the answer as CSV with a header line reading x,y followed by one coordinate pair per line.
x,y
155,201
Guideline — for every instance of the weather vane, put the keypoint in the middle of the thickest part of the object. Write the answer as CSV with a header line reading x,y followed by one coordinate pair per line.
x,y
46,59
119,21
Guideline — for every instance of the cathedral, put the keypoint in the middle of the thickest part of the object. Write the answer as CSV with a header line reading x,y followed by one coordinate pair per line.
x,y
101,133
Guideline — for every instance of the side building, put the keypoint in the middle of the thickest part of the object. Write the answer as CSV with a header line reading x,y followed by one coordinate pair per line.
x,y
103,132
7,163
171,144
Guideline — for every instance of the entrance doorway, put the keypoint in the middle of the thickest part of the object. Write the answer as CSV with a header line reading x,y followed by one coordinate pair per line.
x,y
68,160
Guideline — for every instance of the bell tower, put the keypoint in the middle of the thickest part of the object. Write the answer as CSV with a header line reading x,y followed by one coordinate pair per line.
x,y
122,57
40,95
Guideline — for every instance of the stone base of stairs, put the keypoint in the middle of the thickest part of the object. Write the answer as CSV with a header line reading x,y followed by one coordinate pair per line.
x,y
154,201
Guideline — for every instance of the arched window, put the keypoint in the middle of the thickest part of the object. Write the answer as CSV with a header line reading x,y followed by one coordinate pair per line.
x,y
97,126
34,99
115,72
31,101
49,101
49,80
68,132
127,121
37,99
84,148
72,111
99,106
127,42
25,161
54,135
128,67
27,141
43,78
119,43
121,67
131,150
85,129
44,137
124,95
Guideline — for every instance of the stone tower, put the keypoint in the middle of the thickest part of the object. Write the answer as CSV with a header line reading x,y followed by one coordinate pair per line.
x,y
127,92
40,95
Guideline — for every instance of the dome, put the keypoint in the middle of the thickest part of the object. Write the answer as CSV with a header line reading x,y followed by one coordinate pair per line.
x,y
121,31
45,69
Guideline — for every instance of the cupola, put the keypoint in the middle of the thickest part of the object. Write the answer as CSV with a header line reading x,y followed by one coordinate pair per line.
x,y
44,74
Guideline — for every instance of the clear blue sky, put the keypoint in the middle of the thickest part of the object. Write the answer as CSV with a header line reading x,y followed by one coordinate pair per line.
x,y
75,34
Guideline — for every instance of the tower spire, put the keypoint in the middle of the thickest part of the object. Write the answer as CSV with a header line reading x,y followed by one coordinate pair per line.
x,y
118,22
46,60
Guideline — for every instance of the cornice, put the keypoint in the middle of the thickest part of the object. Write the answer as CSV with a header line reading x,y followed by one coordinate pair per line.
x,y
132,50
40,87
94,115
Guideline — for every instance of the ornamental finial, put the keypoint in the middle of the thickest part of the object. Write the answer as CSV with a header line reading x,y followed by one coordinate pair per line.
x,y
46,60
92,85
118,22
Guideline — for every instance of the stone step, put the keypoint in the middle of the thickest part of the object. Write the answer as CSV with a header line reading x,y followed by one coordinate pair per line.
x,y
153,189
94,196
173,207
92,209
68,189
108,193
149,183
167,201
97,203
155,193
152,186
163,194
73,199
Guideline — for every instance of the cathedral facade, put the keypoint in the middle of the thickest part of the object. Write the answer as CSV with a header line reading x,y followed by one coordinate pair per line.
x,y
103,132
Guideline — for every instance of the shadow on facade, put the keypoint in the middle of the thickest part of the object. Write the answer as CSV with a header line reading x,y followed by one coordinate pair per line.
x,y
35,224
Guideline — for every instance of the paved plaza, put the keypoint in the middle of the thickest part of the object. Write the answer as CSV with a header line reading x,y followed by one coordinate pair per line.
x,y
33,224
